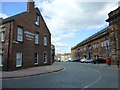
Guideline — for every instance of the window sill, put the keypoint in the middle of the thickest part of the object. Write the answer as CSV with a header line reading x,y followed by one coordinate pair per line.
x,y
18,66
20,41
37,25
36,63
36,44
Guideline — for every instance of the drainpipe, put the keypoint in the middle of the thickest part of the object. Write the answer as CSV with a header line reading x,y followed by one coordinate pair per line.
x,y
8,57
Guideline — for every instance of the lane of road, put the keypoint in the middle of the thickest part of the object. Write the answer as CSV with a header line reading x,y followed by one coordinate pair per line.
x,y
75,75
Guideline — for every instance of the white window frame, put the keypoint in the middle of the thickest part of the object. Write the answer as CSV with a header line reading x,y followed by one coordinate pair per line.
x,y
45,58
19,59
35,58
45,40
37,38
20,34
2,57
37,22
2,36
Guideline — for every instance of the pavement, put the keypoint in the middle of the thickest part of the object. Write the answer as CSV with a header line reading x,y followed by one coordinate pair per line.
x,y
111,66
55,67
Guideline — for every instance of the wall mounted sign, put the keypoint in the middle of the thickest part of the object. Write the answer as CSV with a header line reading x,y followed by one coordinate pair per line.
x,y
29,35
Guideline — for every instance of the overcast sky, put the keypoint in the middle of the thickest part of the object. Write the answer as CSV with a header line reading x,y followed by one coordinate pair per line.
x,y
70,21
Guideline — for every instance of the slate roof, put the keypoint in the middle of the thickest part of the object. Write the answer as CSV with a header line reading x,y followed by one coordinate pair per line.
x,y
94,35
12,18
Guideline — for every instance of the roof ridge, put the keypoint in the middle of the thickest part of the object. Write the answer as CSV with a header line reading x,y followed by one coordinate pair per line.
x,y
12,17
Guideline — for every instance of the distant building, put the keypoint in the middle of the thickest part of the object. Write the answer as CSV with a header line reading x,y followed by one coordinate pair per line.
x,y
25,40
63,57
105,44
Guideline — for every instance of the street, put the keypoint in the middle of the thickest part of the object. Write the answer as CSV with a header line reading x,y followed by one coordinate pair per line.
x,y
75,75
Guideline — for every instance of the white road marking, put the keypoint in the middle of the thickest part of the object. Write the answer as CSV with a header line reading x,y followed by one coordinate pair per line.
x,y
95,80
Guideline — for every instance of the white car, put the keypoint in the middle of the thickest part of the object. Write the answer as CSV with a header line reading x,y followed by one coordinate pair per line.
x,y
83,60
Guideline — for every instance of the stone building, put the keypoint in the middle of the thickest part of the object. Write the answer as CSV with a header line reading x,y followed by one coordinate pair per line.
x,y
25,40
105,44
114,30
63,57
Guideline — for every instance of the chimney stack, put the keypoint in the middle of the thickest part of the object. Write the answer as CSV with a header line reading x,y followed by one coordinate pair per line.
x,y
30,5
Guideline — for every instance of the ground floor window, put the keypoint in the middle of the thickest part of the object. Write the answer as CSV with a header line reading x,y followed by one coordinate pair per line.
x,y
36,58
18,59
1,56
45,57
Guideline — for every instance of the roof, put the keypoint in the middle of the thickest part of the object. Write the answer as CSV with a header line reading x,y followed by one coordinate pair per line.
x,y
114,14
94,35
12,17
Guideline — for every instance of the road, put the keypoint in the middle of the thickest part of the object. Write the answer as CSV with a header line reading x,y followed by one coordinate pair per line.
x,y
75,75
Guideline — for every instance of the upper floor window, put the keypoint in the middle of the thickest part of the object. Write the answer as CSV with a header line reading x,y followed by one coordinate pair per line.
x,y
37,19
102,44
37,38
20,34
45,40
107,43
2,36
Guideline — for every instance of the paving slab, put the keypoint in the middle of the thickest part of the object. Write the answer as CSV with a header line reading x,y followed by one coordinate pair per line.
x,y
31,71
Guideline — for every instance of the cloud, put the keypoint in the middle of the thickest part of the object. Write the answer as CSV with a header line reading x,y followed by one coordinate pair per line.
x,y
3,15
65,18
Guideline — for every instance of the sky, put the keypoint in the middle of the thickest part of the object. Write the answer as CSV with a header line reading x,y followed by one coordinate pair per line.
x,y
69,21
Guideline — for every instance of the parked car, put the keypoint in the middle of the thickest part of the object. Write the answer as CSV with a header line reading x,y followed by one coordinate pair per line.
x,y
99,60
70,60
74,60
83,60
58,60
77,60
89,61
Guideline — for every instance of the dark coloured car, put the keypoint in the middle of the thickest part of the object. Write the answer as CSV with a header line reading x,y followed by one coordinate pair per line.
x,y
99,60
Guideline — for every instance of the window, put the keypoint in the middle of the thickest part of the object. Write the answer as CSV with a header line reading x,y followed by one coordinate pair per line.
x,y
45,40
45,57
2,36
36,58
18,59
1,56
37,38
107,42
37,19
20,34
102,44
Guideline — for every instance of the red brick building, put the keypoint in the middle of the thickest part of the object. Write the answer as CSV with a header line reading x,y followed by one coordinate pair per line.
x,y
105,43
25,40
95,46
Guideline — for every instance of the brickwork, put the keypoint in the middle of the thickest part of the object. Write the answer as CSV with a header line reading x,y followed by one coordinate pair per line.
x,y
114,29
93,46
27,47
96,45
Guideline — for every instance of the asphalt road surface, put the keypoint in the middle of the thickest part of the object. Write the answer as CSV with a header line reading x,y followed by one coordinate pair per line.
x,y
75,75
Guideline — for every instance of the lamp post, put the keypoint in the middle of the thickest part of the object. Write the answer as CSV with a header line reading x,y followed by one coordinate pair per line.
x,y
107,51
